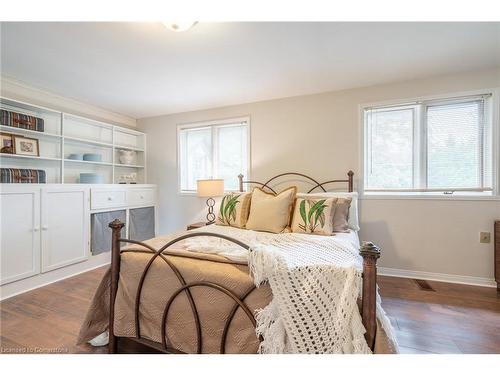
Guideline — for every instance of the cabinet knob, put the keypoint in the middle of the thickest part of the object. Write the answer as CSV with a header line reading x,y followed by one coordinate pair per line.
x,y
36,229
142,196
44,227
110,198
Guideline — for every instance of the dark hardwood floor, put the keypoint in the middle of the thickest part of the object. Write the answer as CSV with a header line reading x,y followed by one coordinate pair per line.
x,y
447,318
428,317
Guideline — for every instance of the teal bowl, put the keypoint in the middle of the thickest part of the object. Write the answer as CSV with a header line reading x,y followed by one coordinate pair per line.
x,y
91,178
75,156
92,157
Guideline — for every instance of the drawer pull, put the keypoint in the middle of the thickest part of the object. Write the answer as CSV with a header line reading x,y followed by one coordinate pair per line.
x,y
110,198
142,196
45,227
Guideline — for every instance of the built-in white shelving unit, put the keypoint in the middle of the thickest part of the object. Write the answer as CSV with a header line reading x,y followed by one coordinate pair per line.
x,y
67,134
87,162
14,156
10,129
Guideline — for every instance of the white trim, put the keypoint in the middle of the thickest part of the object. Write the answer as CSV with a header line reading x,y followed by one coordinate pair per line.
x,y
421,196
443,277
222,121
406,101
211,123
495,109
22,92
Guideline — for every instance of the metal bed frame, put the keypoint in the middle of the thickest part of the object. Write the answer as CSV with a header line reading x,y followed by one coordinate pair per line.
x,y
369,252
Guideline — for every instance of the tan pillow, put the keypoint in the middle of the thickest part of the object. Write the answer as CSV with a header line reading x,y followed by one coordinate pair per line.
x,y
233,210
314,216
353,209
269,212
341,215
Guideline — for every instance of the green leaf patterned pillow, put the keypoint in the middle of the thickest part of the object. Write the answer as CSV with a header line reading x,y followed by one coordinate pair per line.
x,y
314,216
234,209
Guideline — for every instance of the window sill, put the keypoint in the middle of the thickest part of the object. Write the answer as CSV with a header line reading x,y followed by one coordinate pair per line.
x,y
427,196
188,193
193,193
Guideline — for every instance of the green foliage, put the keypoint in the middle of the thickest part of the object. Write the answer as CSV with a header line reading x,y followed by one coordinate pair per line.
x,y
227,212
312,214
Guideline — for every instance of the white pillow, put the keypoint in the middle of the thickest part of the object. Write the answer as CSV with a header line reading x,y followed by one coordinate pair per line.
x,y
353,210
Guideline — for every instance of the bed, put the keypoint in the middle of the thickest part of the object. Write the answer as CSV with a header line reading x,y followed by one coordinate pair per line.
x,y
165,294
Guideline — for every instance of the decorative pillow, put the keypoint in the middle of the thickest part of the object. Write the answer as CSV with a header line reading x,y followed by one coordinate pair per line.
x,y
270,212
314,216
353,208
341,215
234,210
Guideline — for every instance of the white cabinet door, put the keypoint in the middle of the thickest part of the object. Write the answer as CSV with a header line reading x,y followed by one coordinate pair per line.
x,y
65,226
20,236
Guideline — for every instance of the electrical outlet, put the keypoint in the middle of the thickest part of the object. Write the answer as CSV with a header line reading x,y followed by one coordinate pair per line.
x,y
484,237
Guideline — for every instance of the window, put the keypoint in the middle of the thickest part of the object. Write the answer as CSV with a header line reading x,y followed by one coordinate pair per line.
x,y
213,150
440,146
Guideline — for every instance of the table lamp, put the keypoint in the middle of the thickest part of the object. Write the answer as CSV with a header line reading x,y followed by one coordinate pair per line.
x,y
210,189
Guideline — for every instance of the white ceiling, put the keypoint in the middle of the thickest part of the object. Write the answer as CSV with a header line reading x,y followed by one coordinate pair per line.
x,y
144,69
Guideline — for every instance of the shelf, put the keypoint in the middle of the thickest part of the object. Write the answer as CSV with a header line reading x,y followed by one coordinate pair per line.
x,y
88,141
129,165
11,129
87,162
131,148
28,157
67,134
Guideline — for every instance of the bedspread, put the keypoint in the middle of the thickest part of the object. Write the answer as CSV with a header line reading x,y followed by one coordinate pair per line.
x,y
213,306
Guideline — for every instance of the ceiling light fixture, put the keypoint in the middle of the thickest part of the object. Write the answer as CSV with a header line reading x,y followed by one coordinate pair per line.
x,y
179,26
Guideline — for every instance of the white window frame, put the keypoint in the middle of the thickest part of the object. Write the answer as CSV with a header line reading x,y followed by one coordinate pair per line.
x,y
495,133
213,124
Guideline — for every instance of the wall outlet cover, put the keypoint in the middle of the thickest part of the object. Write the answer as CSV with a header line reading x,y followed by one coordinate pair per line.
x,y
484,237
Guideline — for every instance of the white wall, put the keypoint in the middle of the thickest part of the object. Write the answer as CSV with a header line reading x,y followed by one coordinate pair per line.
x,y
16,90
319,135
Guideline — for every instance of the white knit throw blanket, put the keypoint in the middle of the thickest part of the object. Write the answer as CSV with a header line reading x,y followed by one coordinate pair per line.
x,y
315,281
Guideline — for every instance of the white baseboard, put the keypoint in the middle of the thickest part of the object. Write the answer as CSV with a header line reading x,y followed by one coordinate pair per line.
x,y
444,277
37,281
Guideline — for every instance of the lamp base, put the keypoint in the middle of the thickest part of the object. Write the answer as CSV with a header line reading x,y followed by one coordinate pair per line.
x,y
210,215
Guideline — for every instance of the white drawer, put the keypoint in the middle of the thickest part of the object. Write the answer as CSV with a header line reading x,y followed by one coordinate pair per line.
x,y
107,198
140,197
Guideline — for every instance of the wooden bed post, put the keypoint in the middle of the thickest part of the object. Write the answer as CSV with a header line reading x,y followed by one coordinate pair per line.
x,y
350,181
240,178
370,254
116,226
